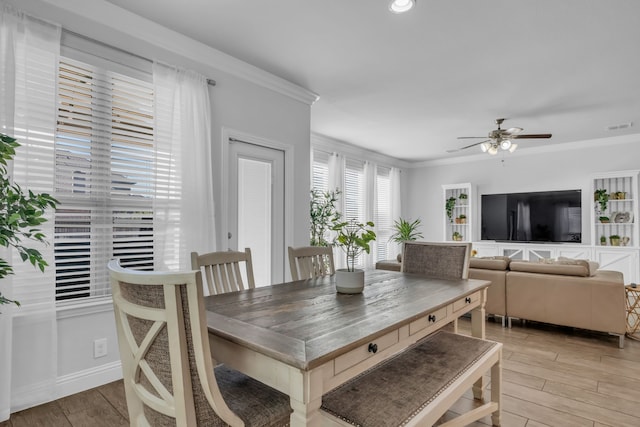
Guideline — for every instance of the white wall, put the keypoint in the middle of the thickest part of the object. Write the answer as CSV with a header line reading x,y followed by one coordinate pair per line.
x,y
538,169
245,99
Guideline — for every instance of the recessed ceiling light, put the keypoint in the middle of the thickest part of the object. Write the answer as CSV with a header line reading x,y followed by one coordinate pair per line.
x,y
400,6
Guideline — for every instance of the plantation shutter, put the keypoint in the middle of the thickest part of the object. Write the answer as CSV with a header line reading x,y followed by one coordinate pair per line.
x,y
104,180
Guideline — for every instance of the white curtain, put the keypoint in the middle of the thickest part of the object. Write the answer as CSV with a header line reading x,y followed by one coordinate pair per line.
x,y
336,181
396,201
184,206
370,203
29,54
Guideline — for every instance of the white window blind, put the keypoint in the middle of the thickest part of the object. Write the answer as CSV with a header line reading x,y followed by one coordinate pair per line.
x,y
354,194
320,171
104,177
383,220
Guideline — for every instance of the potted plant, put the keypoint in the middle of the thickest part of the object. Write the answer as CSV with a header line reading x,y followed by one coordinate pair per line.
x,y
451,202
457,236
353,238
602,197
603,240
405,231
322,213
615,240
463,196
461,219
20,215
604,219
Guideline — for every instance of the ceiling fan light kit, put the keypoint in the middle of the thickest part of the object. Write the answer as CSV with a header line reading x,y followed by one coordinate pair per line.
x,y
500,139
401,6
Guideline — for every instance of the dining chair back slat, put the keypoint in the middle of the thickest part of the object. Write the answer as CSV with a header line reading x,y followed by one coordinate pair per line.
x,y
222,272
309,262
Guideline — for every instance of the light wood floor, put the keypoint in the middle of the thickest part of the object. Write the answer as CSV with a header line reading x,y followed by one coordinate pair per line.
x,y
552,376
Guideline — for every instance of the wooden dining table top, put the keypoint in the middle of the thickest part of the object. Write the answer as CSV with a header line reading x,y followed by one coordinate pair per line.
x,y
306,323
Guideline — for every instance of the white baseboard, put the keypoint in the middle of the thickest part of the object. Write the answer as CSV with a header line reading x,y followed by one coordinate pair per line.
x,y
87,379
65,386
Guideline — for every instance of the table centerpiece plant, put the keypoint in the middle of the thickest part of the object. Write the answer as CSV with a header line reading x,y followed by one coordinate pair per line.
x,y
353,238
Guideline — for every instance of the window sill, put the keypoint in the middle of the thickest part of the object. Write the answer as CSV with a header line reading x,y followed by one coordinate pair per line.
x,y
70,309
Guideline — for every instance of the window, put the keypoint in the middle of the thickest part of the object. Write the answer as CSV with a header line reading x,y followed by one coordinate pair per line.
x,y
104,177
358,202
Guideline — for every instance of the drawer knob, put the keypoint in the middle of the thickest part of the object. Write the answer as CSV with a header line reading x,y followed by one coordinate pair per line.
x,y
373,348
467,300
432,318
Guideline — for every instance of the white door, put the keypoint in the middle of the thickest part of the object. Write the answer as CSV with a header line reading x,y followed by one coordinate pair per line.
x,y
256,207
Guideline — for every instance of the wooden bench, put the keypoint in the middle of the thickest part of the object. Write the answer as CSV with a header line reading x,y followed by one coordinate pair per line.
x,y
416,387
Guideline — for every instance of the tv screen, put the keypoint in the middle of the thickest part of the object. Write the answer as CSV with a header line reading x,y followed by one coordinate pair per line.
x,y
544,216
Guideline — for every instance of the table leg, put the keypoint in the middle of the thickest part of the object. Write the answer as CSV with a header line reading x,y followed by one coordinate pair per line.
x,y
306,398
478,330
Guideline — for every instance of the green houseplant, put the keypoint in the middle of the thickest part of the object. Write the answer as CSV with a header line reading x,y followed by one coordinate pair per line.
x,y
322,213
615,240
405,231
353,238
20,215
451,202
602,197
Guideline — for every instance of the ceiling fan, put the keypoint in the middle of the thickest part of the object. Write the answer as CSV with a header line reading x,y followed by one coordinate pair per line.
x,y
500,139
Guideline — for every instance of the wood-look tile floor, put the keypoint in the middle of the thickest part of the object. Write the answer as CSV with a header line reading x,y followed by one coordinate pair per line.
x,y
552,376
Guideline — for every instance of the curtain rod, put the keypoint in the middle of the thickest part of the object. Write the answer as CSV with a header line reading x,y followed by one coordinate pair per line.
x,y
135,55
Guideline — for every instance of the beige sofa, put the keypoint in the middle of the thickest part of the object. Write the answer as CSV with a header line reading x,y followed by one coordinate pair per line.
x,y
564,292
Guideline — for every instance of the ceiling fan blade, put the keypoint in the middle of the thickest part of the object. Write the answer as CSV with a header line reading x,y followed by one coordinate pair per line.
x,y
512,131
472,137
532,136
467,146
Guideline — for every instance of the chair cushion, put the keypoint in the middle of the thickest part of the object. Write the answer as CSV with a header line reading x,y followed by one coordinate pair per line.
x,y
257,404
391,393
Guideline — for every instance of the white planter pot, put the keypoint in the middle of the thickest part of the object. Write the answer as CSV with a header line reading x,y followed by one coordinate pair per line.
x,y
349,282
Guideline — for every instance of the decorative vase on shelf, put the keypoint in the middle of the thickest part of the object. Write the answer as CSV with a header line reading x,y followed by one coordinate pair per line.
x,y
349,282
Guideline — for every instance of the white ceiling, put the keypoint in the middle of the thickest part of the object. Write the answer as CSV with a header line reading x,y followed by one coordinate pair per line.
x,y
408,85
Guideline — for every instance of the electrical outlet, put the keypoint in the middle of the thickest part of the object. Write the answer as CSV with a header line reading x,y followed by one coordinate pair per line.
x,y
100,348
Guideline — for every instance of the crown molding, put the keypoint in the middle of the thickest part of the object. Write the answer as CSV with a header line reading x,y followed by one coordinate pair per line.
x,y
568,146
330,145
108,23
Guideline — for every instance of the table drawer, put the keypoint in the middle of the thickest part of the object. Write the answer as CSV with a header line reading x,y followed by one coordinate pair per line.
x,y
462,303
363,352
432,319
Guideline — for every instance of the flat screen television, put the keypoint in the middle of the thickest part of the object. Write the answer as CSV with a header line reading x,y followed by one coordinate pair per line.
x,y
543,216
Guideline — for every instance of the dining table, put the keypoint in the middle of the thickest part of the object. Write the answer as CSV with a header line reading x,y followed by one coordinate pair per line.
x,y
304,339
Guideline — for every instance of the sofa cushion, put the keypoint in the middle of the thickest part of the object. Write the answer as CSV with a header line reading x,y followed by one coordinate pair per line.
x,y
490,263
567,267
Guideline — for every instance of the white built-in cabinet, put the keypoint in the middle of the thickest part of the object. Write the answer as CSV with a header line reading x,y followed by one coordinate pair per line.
x,y
622,211
459,217
618,215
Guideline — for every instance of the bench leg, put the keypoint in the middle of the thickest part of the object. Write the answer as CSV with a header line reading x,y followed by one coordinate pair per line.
x,y
496,392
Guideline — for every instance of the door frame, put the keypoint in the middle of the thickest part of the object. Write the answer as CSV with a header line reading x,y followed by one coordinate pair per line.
x,y
228,133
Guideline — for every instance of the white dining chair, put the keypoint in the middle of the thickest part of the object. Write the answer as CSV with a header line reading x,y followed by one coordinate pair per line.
x,y
222,270
309,262
168,372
